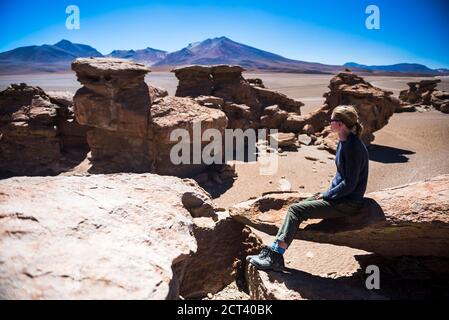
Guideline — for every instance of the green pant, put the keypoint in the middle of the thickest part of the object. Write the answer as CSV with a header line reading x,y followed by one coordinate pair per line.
x,y
314,209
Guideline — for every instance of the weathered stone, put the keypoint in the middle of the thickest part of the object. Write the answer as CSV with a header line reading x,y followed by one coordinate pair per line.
x,y
440,101
219,259
34,130
93,237
131,123
406,220
419,92
304,139
293,123
115,96
226,82
210,102
172,113
156,92
273,117
284,139
374,107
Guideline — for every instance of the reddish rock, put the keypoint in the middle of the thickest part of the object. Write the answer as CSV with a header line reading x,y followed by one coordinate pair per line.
x,y
227,82
35,129
130,123
93,237
374,106
172,113
408,220
222,248
418,92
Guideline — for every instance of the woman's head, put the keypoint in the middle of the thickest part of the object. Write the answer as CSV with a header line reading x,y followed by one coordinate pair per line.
x,y
346,118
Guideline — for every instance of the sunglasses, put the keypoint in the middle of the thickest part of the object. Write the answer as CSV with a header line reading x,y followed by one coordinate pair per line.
x,y
334,120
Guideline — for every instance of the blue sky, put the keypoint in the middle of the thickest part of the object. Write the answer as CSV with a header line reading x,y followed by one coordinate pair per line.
x,y
323,31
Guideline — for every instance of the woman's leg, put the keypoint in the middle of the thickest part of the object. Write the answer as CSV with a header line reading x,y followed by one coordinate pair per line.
x,y
311,209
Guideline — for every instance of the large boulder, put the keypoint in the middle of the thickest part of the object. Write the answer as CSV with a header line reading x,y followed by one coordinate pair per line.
x,y
245,102
374,106
170,113
35,129
93,237
408,220
111,237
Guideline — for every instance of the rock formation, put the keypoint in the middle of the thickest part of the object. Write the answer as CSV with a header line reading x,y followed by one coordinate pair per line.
x,y
130,123
36,128
374,106
245,101
114,103
111,237
408,220
171,113
220,257
420,91
425,93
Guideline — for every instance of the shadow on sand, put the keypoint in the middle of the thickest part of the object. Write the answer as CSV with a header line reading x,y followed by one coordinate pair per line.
x,y
387,154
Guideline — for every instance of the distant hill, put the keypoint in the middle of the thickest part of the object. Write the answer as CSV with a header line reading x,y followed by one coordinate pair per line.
x,y
148,56
409,68
44,58
223,50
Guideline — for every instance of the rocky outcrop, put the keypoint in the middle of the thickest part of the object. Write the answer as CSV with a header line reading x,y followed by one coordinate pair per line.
x,y
419,92
440,101
171,113
222,248
111,237
36,128
425,93
130,123
374,106
114,103
94,237
409,220
245,101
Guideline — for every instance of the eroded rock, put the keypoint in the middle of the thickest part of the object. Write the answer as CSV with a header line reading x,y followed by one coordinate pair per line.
x,y
93,237
374,106
410,220
245,101
35,129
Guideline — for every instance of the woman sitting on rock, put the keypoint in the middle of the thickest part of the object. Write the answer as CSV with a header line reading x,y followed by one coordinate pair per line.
x,y
343,198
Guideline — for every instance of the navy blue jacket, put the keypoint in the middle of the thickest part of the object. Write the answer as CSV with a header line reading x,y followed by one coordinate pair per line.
x,y
352,170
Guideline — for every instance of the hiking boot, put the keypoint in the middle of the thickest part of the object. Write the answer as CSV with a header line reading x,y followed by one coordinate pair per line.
x,y
272,260
263,252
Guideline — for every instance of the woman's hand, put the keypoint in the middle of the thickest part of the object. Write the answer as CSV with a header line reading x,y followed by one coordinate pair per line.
x,y
318,196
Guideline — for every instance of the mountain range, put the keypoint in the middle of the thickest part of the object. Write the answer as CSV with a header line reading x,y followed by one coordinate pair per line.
x,y
221,50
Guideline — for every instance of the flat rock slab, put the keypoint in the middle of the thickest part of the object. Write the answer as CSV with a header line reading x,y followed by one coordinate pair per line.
x,y
93,237
411,220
